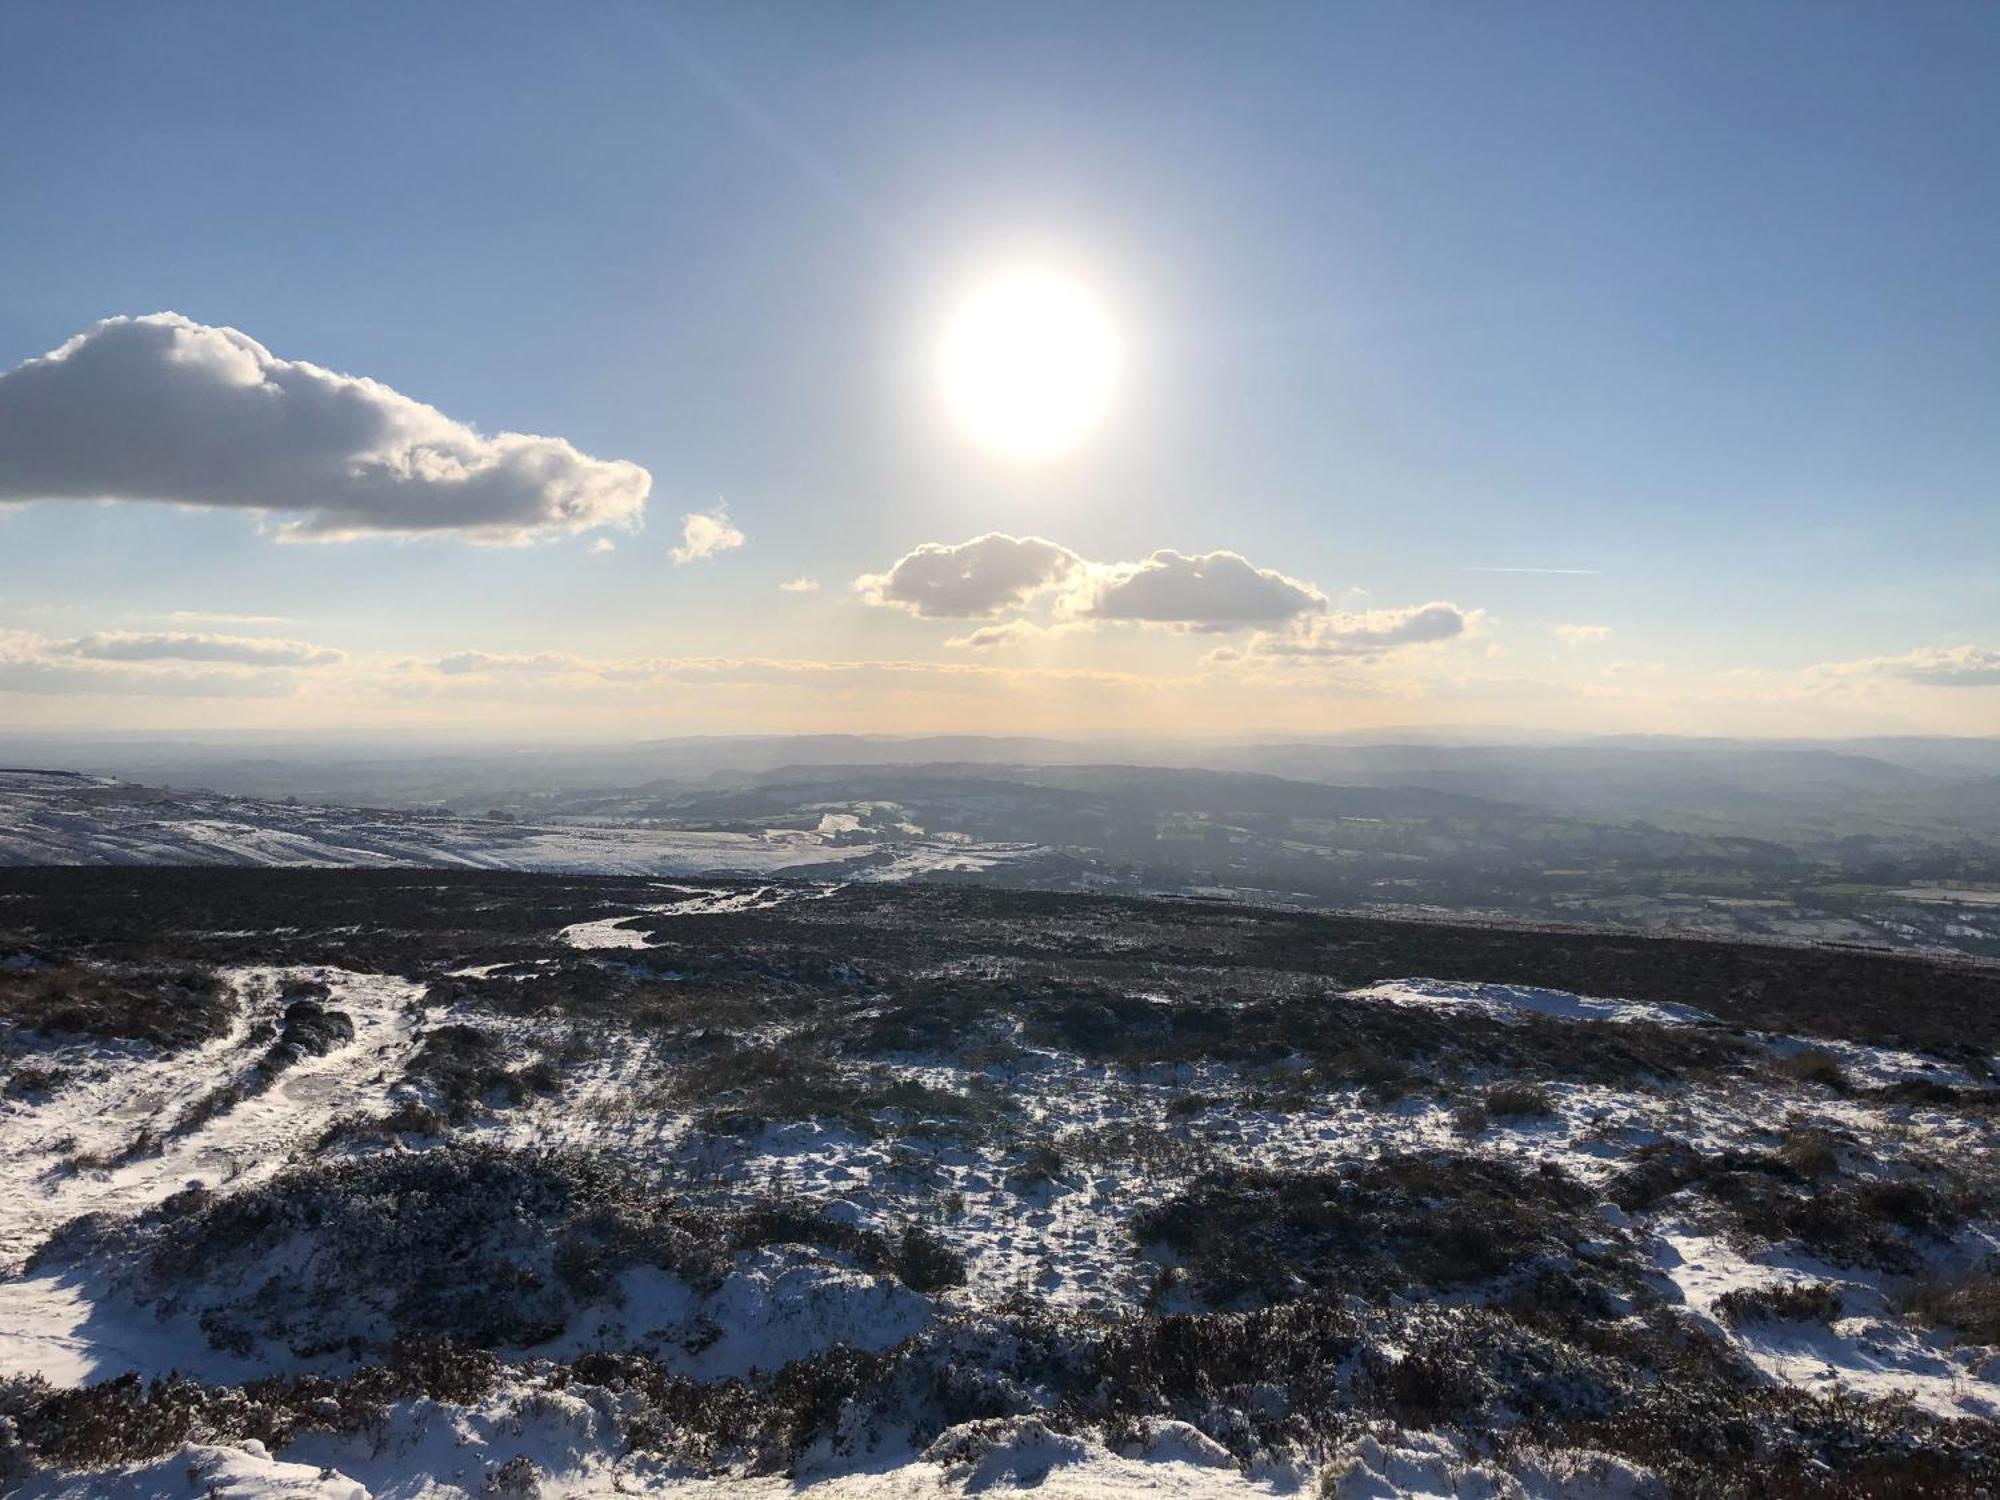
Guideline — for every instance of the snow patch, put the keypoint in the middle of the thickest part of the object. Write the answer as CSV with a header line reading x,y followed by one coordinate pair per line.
x,y
201,1471
1512,1001
611,932
1867,1352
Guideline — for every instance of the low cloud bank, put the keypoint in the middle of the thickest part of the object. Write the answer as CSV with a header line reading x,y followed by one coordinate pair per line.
x,y
1370,632
1929,666
31,664
263,651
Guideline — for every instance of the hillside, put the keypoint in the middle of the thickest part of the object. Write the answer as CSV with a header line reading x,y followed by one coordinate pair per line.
x,y
349,1181
50,817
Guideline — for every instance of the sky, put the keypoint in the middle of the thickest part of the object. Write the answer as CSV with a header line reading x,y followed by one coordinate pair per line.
x,y
605,370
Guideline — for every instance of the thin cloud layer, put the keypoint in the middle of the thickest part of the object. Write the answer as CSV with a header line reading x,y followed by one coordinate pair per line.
x,y
161,408
1930,666
255,651
464,663
1375,631
472,668
705,533
55,680
1006,633
973,580
1358,636
224,617
32,664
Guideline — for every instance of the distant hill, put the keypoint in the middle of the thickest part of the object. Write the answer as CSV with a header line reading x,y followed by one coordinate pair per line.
x,y
60,818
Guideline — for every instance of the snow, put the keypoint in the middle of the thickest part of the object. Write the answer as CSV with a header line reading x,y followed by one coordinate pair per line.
x,y
1066,1243
1867,1352
611,932
72,1328
200,1471
428,1451
772,1309
1511,1001
56,818
1424,1464
1877,1067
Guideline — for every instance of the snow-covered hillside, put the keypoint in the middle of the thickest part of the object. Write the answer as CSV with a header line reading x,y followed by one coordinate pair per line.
x,y
61,818
671,1187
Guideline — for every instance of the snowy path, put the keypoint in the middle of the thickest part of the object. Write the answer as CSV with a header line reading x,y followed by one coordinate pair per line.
x,y
54,1325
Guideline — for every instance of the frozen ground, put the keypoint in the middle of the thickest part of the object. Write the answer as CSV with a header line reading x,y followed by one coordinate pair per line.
x,y
770,1186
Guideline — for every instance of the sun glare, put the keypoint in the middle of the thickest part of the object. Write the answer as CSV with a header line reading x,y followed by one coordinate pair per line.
x,y
1028,363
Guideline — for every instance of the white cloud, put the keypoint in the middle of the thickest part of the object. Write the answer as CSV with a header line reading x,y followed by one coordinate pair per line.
x,y
1373,632
244,650
799,586
603,545
972,580
1582,635
1210,591
703,534
161,408
995,574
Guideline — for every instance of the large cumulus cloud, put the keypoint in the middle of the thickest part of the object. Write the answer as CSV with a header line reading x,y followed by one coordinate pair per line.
x,y
162,408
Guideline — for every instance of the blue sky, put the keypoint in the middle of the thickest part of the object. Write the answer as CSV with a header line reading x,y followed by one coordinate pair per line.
x,y
1701,302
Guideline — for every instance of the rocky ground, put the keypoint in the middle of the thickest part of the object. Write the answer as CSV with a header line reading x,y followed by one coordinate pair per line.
x,y
417,1184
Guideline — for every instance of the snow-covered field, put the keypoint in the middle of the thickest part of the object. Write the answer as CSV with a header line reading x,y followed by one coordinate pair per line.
x,y
978,1195
60,818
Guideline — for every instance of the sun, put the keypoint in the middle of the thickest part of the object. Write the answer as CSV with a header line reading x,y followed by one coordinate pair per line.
x,y
1028,363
